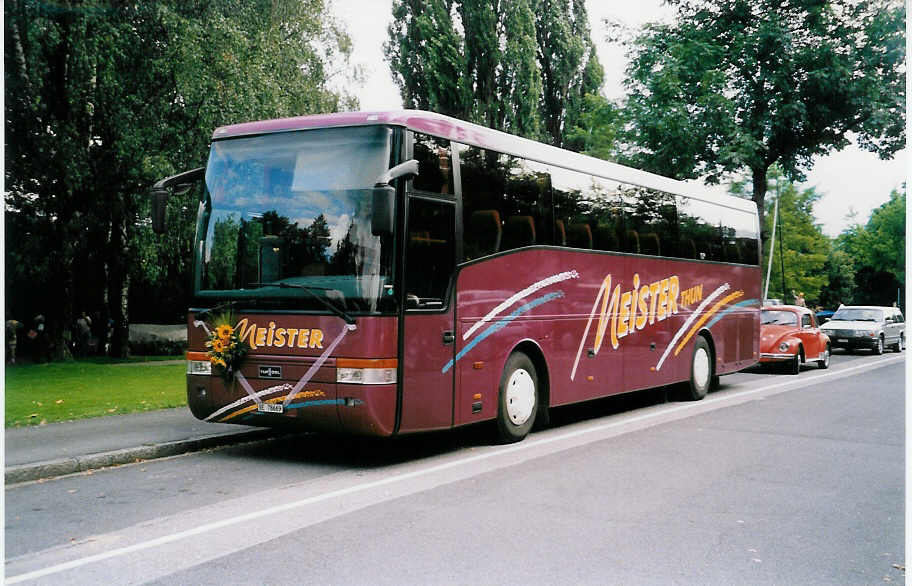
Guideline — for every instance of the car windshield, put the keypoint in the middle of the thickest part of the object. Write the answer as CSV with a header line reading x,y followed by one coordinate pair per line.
x,y
855,314
286,218
778,317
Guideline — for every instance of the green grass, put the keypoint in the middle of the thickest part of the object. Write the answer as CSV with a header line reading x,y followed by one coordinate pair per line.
x,y
61,391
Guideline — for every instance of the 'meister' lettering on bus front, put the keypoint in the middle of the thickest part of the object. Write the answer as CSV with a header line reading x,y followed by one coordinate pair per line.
x,y
276,337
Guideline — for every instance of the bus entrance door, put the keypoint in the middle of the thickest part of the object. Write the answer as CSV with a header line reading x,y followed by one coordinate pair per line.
x,y
428,338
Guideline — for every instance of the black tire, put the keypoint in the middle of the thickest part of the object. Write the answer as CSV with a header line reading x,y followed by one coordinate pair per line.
x,y
824,362
879,347
702,371
794,365
901,344
518,387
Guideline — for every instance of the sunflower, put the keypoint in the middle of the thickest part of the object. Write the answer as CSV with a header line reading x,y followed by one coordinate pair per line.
x,y
218,345
224,332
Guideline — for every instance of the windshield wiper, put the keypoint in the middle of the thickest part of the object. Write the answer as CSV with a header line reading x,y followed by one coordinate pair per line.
x,y
310,290
204,312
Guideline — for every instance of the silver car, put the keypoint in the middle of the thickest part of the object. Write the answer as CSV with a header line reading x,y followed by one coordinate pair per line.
x,y
867,326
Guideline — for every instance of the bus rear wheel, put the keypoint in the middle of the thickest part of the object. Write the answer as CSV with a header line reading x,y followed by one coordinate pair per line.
x,y
517,398
701,371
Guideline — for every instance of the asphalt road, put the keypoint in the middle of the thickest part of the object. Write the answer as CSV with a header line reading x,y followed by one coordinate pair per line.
x,y
773,479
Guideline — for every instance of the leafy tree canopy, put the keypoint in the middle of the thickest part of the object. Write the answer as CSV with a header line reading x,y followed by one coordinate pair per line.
x,y
745,84
878,250
102,99
522,66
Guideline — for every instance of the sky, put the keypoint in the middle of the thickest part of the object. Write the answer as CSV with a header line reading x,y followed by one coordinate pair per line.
x,y
851,180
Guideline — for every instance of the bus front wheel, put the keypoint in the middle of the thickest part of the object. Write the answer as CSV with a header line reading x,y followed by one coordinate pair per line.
x,y
518,398
701,371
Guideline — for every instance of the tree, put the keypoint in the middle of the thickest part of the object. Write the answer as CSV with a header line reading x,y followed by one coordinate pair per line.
x,y
103,99
746,84
569,65
878,253
804,248
596,129
522,66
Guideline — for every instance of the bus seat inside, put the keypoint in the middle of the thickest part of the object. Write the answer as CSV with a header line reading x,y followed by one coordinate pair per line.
x,y
483,233
580,236
633,241
606,237
519,231
560,233
649,244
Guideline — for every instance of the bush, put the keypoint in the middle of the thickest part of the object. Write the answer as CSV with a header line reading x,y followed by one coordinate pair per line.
x,y
158,348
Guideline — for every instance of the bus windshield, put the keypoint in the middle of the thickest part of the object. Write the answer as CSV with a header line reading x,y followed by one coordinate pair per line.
x,y
285,220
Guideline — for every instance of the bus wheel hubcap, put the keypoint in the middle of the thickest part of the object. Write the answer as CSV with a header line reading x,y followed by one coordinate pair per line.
x,y
520,396
701,368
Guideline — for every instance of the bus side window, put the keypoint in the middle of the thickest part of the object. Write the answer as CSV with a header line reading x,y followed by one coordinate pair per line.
x,y
430,252
505,202
700,223
743,235
651,218
434,165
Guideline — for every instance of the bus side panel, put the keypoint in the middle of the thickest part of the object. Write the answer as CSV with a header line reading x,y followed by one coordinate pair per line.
x,y
722,300
605,323
502,302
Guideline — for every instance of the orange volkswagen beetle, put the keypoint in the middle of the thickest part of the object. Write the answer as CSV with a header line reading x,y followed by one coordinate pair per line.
x,y
789,335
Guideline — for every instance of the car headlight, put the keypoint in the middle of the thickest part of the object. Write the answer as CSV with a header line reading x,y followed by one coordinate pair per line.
x,y
783,346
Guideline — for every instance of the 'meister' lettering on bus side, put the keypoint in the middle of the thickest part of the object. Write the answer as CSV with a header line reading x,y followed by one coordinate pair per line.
x,y
624,313
276,337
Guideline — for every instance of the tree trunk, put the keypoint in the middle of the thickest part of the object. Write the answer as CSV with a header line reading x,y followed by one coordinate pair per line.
x,y
118,284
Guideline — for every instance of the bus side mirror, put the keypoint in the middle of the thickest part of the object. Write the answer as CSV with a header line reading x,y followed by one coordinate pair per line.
x,y
180,183
383,206
159,204
383,211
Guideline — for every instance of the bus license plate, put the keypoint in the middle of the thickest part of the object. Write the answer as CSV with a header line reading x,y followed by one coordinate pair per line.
x,y
842,341
270,407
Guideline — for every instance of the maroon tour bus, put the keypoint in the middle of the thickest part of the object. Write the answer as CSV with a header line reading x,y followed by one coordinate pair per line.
x,y
384,273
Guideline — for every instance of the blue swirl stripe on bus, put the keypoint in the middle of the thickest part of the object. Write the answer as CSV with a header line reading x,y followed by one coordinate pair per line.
x,y
502,324
320,403
745,303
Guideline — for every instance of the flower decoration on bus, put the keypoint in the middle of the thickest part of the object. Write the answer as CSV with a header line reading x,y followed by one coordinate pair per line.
x,y
225,346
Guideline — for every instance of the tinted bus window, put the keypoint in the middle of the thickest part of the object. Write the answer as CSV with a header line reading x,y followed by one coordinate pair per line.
x,y
651,221
430,251
506,202
700,229
745,236
587,211
434,165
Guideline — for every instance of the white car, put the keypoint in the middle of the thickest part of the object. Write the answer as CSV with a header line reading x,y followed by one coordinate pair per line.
x,y
867,326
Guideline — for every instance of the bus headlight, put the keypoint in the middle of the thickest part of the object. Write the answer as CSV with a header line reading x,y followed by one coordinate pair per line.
x,y
203,367
198,363
358,371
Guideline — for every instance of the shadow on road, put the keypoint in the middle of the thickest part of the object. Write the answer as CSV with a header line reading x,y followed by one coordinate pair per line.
x,y
346,452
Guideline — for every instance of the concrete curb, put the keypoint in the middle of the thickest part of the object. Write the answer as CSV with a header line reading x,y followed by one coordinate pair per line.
x,y
62,466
